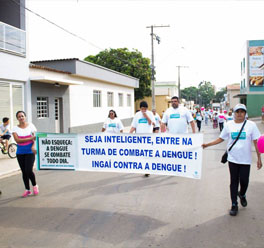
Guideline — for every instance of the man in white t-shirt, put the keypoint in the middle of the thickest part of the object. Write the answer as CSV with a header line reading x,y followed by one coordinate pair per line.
x,y
177,118
143,121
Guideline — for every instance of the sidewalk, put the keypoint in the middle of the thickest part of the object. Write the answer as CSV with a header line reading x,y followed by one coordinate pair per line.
x,y
9,167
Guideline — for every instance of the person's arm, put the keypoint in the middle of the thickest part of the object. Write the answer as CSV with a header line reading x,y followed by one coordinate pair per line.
x,y
259,162
192,126
163,127
19,140
215,142
150,122
132,130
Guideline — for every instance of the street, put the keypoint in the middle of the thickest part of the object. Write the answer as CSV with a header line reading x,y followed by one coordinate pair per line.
x,y
104,210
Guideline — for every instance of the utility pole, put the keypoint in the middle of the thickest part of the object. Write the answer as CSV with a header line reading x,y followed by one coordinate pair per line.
x,y
179,79
152,60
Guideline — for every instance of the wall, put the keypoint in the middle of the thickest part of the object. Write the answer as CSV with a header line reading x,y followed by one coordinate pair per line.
x,y
13,68
81,99
254,104
49,90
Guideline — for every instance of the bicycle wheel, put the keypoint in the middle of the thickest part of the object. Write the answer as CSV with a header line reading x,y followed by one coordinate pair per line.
x,y
12,148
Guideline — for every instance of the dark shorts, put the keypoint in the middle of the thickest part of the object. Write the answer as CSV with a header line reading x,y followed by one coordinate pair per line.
x,y
6,137
155,129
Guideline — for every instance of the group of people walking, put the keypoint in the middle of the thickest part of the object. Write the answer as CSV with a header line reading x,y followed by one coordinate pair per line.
x,y
238,131
176,119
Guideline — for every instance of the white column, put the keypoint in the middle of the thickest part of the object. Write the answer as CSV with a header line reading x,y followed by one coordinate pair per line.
x,y
27,100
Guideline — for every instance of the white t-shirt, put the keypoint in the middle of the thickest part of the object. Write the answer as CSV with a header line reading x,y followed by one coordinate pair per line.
x,y
3,128
140,123
23,132
241,151
199,116
25,147
157,120
113,126
177,119
221,117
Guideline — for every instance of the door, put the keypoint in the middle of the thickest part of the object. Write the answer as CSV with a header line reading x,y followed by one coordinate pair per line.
x,y
58,115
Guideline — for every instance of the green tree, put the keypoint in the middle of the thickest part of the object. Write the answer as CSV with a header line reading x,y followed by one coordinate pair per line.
x,y
205,93
219,96
189,93
131,63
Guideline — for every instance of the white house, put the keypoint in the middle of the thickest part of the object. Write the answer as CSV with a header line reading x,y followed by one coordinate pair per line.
x,y
70,95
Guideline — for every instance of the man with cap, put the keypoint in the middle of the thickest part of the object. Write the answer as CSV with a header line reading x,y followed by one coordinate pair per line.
x,y
239,157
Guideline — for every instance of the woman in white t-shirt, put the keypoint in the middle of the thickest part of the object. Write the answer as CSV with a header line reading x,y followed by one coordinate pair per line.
x,y
24,135
113,124
239,158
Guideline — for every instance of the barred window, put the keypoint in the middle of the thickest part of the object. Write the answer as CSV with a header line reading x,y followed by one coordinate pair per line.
x,y
120,98
128,100
110,99
42,107
97,98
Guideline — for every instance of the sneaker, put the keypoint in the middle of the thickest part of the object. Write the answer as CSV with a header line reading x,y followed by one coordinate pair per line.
x,y
147,175
243,200
35,190
234,210
26,193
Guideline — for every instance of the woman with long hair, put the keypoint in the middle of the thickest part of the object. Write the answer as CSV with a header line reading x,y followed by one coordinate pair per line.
x,y
24,135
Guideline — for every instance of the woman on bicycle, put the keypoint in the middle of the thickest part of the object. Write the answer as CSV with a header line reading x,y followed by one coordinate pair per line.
x,y
24,135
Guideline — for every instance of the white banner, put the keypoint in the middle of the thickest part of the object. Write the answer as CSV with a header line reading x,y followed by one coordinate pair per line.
x,y
160,154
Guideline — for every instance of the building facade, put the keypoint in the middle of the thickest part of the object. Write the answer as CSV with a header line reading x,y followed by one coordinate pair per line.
x,y
14,71
252,77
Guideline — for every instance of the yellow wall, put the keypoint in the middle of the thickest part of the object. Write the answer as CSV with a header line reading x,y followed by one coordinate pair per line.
x,y
161,103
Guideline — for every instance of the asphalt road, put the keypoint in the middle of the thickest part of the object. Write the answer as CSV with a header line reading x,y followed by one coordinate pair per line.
x,y
104,210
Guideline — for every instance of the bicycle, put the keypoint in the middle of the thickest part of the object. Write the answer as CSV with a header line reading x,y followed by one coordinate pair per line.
x,y
11,150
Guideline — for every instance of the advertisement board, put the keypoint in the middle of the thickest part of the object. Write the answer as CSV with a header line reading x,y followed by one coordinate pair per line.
x,y
256,60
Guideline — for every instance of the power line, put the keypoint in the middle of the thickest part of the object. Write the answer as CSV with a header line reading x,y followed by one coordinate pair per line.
x,y
58,26
71,33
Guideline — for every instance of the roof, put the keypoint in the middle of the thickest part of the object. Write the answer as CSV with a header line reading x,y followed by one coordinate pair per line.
x,y
233,87
47,68
49,60
85,69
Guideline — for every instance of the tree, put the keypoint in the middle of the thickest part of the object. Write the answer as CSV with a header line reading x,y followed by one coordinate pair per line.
x,y
205,93
219,96
131,63
189,93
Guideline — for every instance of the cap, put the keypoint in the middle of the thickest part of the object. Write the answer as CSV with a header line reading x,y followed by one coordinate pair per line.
x,y
240,106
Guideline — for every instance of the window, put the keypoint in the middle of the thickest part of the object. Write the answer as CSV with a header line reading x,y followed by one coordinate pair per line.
x,y
128,100
110,99
42,107
97,98
120,98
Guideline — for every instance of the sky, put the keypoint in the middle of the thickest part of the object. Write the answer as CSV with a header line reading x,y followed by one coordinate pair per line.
x,y
207,37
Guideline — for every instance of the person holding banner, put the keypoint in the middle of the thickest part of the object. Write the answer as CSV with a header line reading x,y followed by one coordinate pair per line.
x,y
177,118
113,124
24,135
143,121
239,157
